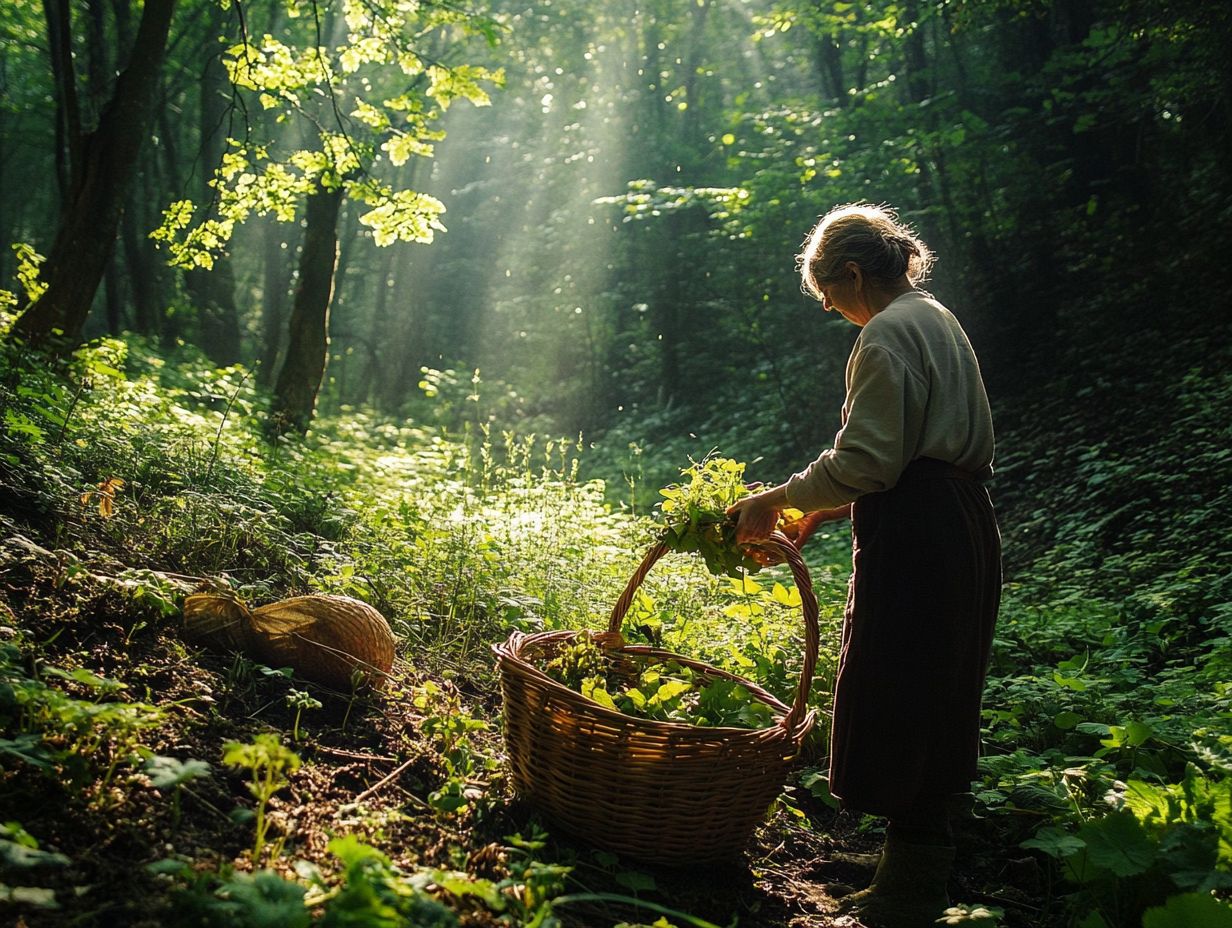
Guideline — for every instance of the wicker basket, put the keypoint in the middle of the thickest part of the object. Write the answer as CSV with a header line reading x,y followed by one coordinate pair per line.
x,y
662,792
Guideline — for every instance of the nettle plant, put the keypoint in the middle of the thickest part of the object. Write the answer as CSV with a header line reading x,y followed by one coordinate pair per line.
x,y
299,700
665,692
369,890
19,856
450,726
84,739
269,766
694,513
1155,857
370,101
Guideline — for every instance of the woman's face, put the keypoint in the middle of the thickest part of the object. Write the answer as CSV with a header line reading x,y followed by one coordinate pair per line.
x,y
845,295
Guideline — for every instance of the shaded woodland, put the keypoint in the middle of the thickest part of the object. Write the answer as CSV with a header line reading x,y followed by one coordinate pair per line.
x,y
622,223
422,303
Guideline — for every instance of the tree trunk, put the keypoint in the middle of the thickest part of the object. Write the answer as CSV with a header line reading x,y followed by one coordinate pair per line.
x,y
213,296
651,89
146,313
64,82
123,14
372,374
915,62
299,381
273,301
697,47
96,58
403,340
829,56
86,238
667,310
5,234
213,291
111,293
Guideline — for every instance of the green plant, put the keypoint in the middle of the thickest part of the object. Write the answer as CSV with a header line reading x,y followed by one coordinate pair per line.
x,y
369,892
981,916
299,700
451,727
20,853
629,877
1155,841
695,515
1109,677
268,764
373,893
86,738
171,773
666,691
533,885
232,899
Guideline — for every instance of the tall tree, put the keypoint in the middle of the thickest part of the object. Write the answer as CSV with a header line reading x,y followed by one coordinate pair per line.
x,y
26,129
100,166
213,291
275,281
303,369
339,86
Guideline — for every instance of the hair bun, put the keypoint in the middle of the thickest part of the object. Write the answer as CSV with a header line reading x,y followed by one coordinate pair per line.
x,y
871,237
906,243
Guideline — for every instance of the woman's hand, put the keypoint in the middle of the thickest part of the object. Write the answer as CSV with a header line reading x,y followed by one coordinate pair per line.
x,y
758,515
799,530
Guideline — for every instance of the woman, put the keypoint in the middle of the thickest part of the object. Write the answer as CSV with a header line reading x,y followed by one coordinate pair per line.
x,y
908,463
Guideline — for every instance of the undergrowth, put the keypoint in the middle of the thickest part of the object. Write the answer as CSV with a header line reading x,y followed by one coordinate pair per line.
x,y
130,476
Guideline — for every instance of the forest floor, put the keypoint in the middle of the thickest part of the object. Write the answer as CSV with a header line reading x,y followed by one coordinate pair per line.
x,y
134,790
368,770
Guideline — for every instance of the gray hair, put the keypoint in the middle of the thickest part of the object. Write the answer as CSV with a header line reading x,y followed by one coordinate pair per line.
x,y
870,236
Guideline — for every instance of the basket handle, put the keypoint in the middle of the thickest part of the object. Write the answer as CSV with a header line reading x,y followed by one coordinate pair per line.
x,y
780,544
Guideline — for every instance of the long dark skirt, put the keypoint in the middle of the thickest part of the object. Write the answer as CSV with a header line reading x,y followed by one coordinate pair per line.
x,y
921,608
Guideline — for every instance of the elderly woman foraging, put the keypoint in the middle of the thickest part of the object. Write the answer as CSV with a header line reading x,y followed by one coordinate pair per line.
x,y
908,463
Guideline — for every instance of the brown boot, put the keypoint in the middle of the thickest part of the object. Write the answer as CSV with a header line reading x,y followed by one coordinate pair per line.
x,y
908,890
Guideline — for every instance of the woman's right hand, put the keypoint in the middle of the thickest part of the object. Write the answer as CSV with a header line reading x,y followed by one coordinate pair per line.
x,y
798,531
758,515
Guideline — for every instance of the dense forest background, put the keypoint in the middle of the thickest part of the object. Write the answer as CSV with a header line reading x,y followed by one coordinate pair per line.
x,y
424,302
623,218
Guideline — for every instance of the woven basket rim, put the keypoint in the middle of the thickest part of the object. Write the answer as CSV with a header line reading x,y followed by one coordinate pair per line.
x,y
509,652
799,714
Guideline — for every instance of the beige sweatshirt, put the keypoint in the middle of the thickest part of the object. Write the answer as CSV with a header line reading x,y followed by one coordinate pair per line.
x,y
913,390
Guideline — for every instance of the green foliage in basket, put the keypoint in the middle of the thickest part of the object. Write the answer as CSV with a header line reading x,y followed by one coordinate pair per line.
x,y
695,518
578,661
664,692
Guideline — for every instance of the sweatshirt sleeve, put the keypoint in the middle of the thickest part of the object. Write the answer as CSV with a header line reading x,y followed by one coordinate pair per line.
x,y
870,450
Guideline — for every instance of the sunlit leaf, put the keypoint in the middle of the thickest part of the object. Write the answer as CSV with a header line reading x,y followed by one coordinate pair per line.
x,y
1119,844
1190,910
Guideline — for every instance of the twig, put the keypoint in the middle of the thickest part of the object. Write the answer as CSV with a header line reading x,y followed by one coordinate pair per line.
x,y
393,776
1001,900
205,802
262,709
186,578
338,752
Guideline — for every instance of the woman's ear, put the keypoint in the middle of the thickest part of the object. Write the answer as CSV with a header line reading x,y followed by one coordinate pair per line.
x,y
857,275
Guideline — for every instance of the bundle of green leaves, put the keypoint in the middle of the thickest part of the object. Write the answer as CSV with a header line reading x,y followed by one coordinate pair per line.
x,y
694,513
664,691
